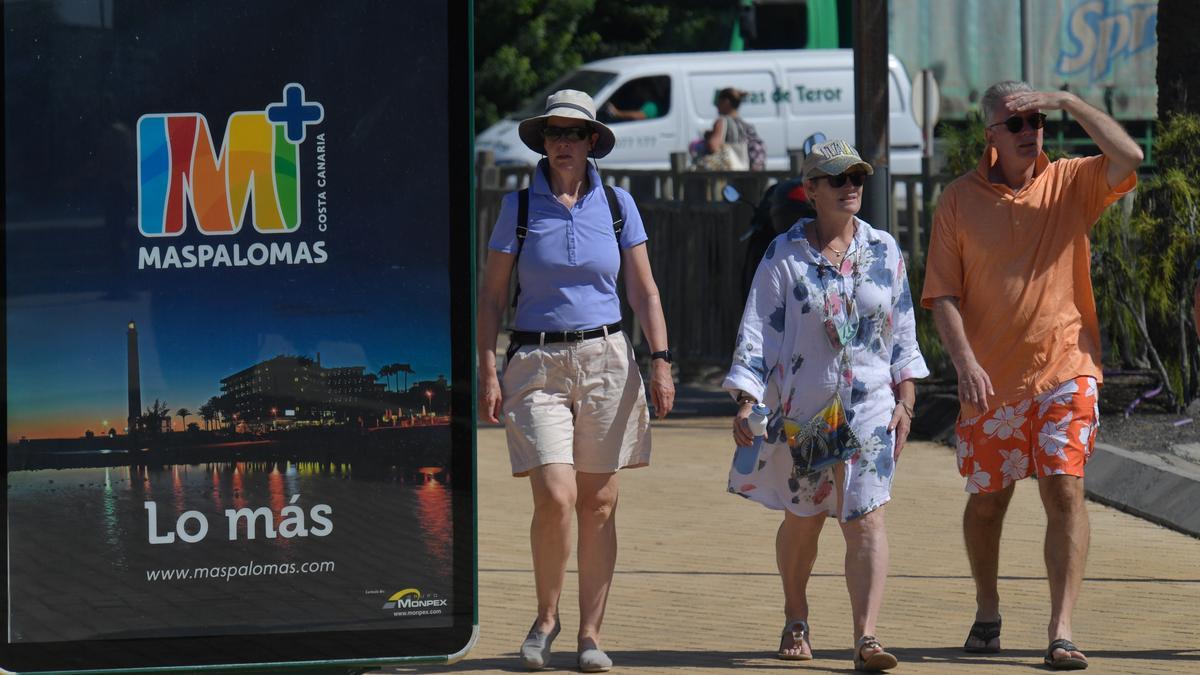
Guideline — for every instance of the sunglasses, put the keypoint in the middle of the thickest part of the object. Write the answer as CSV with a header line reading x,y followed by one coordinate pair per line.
x,y
856,179
1015,123
569,133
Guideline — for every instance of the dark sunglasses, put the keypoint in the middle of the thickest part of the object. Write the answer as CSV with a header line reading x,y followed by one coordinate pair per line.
x,y
856,179
569,133
1015,123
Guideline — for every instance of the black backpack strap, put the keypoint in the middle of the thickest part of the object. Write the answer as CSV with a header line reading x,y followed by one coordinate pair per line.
x,y
522,232
522,217
614,209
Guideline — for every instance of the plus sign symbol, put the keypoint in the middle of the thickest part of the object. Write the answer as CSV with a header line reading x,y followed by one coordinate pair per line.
x,y
295,113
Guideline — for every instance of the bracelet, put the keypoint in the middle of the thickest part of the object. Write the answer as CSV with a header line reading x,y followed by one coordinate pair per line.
x,y
907,408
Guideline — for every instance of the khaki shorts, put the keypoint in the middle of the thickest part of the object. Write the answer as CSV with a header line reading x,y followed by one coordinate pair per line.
x,y
580,403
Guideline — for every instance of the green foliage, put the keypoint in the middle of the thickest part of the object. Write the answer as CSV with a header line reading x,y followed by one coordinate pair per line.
x,y
964,143
936,356
1145,256
522,46
1175,146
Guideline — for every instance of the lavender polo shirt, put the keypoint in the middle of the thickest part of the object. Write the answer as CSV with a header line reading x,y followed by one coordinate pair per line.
x,y
569,262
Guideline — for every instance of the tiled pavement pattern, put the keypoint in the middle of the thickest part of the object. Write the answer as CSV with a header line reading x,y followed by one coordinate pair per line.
x,y
696,589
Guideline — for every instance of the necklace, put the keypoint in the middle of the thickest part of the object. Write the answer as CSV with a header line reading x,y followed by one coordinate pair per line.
x,y
840,333
821,246
829,245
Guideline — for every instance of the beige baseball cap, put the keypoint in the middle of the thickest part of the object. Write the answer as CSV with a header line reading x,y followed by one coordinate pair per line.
x,y
832,158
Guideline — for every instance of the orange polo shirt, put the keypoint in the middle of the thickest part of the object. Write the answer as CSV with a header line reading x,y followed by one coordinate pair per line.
x,y
1019,263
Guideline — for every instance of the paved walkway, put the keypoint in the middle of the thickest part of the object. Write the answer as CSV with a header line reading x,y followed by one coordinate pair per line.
x,y
696,589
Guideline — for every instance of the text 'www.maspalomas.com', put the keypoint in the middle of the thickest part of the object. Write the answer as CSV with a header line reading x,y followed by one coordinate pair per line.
x,y
229,572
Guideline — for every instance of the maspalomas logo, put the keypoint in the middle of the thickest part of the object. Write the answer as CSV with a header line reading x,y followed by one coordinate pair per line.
x,y
181,173
410,602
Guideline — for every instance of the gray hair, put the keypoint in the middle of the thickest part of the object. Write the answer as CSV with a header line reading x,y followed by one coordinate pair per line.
x,y
993,98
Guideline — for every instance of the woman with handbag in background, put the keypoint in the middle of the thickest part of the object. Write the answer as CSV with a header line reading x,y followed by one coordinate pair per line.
x,y
828,343
726,144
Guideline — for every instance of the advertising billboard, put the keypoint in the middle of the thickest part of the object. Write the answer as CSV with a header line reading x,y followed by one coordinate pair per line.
x,y
237,331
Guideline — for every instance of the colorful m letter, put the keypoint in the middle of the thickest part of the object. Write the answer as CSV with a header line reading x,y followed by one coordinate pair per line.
x,y
179,168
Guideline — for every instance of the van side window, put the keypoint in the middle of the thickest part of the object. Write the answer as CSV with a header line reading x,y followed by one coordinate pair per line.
x,y
641,98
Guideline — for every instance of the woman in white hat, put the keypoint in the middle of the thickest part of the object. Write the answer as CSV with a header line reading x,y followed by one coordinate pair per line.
x,y
828,343
572,398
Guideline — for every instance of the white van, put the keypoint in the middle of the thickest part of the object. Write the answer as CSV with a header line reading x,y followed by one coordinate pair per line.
x,y
792,94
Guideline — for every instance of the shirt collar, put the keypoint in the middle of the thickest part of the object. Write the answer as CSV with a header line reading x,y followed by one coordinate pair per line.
x,y
864,235
541,181
990,157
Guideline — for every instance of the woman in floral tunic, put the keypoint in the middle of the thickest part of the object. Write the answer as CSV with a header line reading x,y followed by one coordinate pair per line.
x,y
829,315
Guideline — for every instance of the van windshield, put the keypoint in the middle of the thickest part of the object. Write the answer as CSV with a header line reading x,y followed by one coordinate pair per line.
x,y
589,81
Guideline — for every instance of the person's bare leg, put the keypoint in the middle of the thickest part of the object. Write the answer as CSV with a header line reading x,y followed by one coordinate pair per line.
x,y
1067,536
983,522
866,571
596,508
795,554
554,495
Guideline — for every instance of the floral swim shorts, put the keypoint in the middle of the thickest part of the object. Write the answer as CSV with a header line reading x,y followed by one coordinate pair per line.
x,y
1052,433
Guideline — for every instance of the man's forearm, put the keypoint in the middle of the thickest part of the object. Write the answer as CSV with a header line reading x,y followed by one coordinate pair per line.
x,y
1109,135
948,319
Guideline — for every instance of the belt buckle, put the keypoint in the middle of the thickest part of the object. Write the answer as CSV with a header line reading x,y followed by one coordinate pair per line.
x,y
579,337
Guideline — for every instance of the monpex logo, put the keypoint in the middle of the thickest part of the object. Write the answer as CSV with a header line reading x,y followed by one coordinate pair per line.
x,y
410,598
179,168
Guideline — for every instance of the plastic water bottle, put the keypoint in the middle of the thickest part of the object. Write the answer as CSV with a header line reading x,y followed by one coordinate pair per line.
x,y
744,458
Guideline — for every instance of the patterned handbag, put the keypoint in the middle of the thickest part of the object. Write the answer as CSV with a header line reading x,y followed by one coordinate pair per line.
x,y
822,441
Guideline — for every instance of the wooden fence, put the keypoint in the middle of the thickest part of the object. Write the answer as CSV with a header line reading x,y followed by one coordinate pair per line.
x,y
695,248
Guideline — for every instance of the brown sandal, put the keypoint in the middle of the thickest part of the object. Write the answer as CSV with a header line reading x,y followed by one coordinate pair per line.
x,y
877,661
797,630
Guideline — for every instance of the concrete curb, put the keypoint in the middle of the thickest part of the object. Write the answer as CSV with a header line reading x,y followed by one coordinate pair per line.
x,y
1146,486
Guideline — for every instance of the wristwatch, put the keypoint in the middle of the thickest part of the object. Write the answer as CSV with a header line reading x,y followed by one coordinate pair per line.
x,y
665,355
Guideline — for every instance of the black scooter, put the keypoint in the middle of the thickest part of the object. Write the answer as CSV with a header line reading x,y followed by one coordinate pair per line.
x,y
780,207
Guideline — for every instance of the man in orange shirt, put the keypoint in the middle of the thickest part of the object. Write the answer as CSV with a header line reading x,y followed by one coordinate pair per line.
x,y
1009,283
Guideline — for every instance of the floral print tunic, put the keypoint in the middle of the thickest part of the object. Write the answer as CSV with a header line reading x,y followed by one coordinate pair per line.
x,y
785,358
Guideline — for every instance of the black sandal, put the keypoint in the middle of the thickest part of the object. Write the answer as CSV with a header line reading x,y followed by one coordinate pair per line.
x,y
1067,662
985,632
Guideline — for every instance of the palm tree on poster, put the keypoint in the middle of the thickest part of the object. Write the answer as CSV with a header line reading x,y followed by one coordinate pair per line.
x,y
155,415
407,370
386,372
208,413
183,414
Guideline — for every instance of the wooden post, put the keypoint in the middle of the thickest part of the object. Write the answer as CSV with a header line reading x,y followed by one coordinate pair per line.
x,y
485,169
914,220
871,107
679,164
796,161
